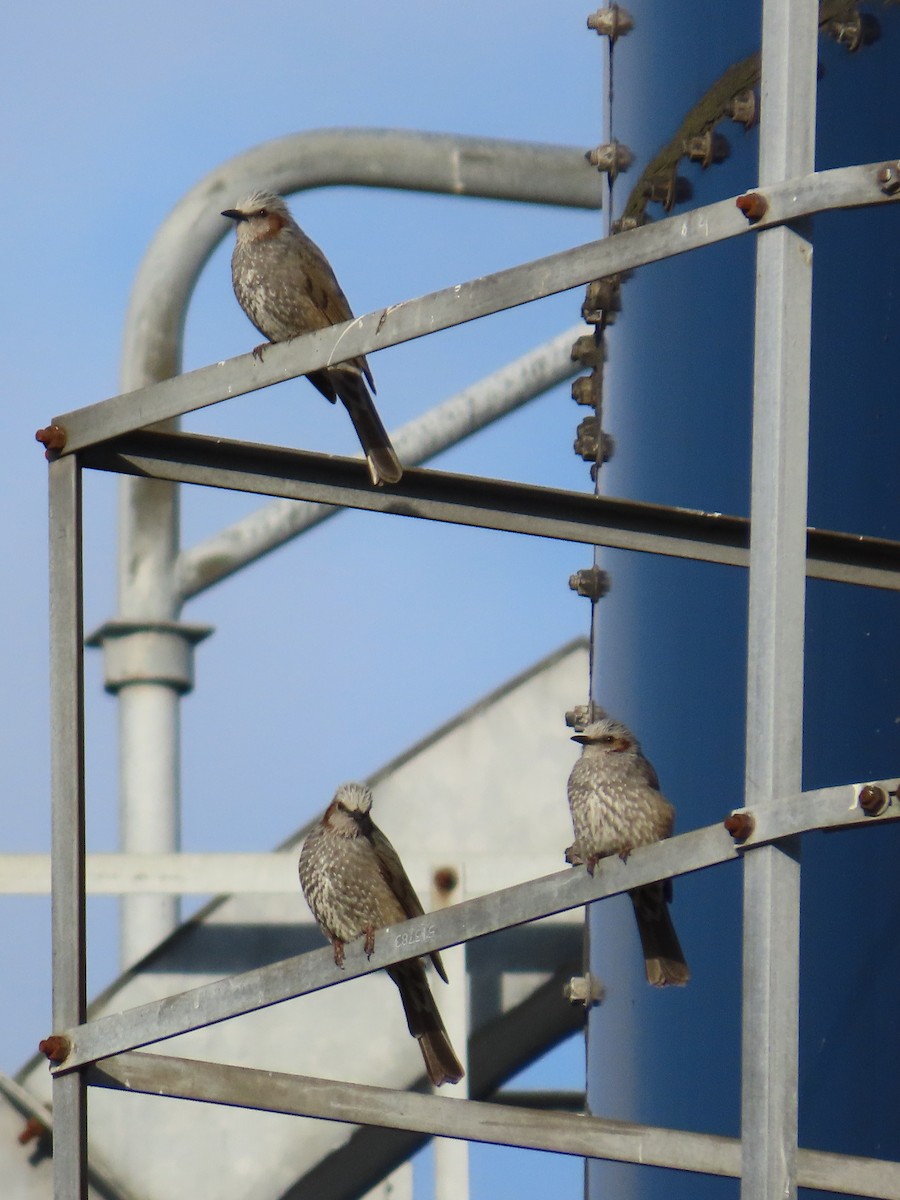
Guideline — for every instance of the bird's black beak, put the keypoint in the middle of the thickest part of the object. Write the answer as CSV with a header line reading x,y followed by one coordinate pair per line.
x,y
234,214
580,738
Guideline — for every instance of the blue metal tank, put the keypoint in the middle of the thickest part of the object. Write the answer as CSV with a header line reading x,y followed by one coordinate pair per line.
x,y
671,635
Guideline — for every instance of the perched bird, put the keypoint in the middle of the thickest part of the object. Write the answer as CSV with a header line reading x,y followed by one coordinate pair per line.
x,y
354,883
616,805
285,285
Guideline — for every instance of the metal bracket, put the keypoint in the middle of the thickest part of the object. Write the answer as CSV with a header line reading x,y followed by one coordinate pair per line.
x,y
148,652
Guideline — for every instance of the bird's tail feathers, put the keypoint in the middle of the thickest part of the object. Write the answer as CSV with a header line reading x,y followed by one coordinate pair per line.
x,y
381,458
663,957
441,1062
425,1022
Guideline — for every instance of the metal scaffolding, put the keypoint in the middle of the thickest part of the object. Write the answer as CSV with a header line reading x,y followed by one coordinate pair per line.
x,y
775,545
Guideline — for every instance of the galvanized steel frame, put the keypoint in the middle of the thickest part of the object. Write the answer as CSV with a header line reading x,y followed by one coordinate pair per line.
x,y
777,598
106,436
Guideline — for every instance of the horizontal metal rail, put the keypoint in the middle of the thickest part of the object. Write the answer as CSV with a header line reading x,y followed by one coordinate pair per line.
x,y
845,187
565,890
485,503
477,1121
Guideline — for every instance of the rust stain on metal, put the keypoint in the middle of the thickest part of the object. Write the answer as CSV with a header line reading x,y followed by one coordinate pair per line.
x,y
873,800
33,1129
445,879
52,438
753,205
740,825
55,1047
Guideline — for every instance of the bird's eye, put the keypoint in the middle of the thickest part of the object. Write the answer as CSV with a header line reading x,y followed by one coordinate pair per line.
x,y
606,740
263,212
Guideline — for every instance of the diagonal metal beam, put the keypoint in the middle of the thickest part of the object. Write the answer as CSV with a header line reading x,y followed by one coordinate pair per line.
x,y
305,973
565,890
844,187
496,1124
485,503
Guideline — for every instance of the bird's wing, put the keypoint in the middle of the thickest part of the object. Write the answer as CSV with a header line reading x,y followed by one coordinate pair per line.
x,y
327,297
324,289
664,812
649,772
395,876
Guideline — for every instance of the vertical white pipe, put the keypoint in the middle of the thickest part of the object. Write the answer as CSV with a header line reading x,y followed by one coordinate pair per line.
x,y
149,783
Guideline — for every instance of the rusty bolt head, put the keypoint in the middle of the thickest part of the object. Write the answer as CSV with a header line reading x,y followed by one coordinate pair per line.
x,y
590,582
591,443
582,715
598,316
740,825
855,31
612,158
873,800
668,189
55,1047
586,390
888,178
753,205
584,989
707,148
53,439
445,879
602,297
626,224
612,22
588,351
744,108
33,1128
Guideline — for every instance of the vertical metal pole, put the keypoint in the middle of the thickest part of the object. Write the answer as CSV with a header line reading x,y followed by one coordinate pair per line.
x,y
451,1156
67,799
776,609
